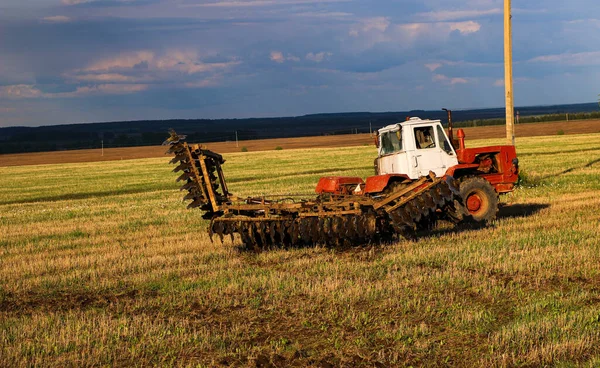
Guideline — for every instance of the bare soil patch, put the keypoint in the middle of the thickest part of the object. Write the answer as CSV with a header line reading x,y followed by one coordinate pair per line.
x,y
128,153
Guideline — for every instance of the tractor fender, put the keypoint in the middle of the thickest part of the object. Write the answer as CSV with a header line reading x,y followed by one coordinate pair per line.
x,y
452,171
337,184
378,183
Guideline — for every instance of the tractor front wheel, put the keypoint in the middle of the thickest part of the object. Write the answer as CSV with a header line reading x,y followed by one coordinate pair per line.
x,y
479,198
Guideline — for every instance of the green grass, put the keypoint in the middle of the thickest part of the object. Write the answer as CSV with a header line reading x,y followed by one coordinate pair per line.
x,y
101,264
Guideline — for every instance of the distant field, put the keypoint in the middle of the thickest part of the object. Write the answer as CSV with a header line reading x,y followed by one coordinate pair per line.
x,y
94,155
102,265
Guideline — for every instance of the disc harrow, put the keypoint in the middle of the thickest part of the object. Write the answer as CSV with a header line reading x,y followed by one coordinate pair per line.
x,y
339,220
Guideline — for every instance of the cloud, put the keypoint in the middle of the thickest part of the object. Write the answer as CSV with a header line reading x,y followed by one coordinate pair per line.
x,y
500,82
76,2
262,3
448,15
318,57
23,91
103,2
19,91
379,24
433,66
570,59
184,61
325,14
108,77
57,19
278,57
447,80
465,27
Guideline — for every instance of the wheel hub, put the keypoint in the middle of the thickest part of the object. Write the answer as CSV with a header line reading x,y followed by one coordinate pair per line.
x,y
473,203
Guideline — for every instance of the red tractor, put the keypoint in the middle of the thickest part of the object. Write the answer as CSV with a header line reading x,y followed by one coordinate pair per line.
x,y
414,148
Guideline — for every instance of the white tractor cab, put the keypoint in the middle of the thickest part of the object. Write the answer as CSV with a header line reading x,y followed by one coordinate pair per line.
x,y
414,148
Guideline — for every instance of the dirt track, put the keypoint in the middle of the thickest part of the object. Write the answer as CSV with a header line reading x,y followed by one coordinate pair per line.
x,y
93,155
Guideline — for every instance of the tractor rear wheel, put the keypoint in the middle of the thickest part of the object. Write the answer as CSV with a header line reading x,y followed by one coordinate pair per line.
x,y
479,199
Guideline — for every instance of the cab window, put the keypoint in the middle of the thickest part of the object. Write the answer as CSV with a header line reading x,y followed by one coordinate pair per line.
x,y
424,137
443,141
391,142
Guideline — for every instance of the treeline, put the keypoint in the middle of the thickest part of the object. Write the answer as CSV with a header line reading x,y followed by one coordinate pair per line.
x,y
532,119
154,132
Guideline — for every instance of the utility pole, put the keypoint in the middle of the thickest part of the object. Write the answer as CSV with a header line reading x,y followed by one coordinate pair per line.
x,y
102,147
236,140
370,129
508,74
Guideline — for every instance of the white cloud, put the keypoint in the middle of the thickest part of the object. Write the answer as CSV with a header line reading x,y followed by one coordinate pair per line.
x,y
75,2
571,59
19,91
57,19
500,82
433,66
108,77
261,3
278,57
465,27
366,25
318,57
325,14
447,80
448,15
123,61
184,61
23,91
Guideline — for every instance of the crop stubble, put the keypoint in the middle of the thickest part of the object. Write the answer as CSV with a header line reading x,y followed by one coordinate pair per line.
x,y
102,265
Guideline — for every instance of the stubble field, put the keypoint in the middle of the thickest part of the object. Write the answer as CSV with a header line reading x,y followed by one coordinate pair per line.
x,y
101,264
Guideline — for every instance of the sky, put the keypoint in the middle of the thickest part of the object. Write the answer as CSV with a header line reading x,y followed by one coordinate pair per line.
x,y
72,61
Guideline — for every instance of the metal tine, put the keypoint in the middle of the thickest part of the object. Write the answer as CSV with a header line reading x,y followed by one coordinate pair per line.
x,y
251,233
182,166
339,235
261,228
184,176
281,230
360,227
353,226
196,203
219,227
189,185
177,158
315,232
436,196
210,231
273,232
193,194
414,214
428,201
294,232
176,149
421,206
305,230
326,227
333,231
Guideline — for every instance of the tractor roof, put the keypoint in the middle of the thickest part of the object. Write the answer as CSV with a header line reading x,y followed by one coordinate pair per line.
x,y
414,121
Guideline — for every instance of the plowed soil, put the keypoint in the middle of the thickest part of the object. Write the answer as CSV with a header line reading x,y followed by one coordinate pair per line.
x,y
127,153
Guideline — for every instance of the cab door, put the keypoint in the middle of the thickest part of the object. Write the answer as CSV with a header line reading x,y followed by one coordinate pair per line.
x,y
427,154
